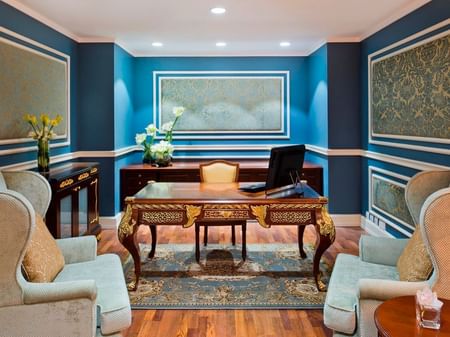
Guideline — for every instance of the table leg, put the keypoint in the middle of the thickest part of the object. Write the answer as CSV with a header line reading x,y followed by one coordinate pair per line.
x,y
301,230
244,241
325,235
197,242
154,238
233,235
127,236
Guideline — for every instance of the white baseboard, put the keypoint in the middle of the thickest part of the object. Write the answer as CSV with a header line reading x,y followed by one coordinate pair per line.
x,y
110,222
372,229
346,220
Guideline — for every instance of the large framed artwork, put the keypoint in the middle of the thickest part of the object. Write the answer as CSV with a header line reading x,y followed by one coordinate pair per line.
x,y
232,104
409,92
387,199
34,79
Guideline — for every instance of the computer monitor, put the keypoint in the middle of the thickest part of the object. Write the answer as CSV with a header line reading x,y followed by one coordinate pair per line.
x,y
285,167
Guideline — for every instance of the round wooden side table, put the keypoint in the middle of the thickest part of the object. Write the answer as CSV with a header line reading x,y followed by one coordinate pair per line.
x,y
397,318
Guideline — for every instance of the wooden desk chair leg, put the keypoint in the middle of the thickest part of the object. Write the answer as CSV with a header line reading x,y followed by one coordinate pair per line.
x,y
233,235
301,230
205,236
153,231
197,242
244,240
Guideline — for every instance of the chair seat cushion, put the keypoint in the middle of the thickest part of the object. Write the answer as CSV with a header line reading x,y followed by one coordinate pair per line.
x,y
114,312
341,300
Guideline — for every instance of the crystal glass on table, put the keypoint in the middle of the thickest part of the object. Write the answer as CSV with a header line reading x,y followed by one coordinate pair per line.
x,y
428,309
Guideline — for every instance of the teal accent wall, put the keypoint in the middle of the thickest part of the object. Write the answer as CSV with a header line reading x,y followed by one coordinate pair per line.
x,y
123,98
317,132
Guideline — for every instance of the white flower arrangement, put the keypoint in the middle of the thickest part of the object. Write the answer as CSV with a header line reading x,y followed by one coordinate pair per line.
x,y
164,147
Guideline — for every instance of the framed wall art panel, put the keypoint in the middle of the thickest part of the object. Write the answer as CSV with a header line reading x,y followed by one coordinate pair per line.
x,y
224,104
34,79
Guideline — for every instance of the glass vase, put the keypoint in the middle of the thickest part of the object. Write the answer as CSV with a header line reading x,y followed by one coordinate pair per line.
x,y
147,157
163,160
43,156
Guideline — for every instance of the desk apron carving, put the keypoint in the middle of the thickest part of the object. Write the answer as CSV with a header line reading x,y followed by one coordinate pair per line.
x,y
267,215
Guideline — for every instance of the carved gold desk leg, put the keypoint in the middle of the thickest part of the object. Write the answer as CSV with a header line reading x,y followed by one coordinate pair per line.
x,y
325,235
127,237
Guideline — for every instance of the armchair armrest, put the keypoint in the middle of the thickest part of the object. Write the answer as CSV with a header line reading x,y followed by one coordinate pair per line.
x,y
79,249
59,291
383,290
34,187
381,250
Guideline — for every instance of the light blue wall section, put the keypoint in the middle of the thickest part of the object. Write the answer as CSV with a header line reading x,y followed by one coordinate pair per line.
x,y
423,18
317,131
123,98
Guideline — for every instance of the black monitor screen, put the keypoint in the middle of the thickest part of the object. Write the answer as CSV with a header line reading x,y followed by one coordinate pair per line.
x,y
285,165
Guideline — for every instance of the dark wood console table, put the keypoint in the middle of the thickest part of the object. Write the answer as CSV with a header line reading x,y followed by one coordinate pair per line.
x,y
183,204
74,208
134,177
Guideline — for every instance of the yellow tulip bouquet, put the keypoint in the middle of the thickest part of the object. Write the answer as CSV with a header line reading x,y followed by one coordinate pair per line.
x,y
42,132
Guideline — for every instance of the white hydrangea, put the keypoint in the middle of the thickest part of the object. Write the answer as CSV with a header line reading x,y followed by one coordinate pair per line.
x,y
151,130
178,111
140,138
166,127
163,147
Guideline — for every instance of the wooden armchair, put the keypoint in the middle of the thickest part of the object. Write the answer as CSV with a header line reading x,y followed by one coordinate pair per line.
x,y
219,171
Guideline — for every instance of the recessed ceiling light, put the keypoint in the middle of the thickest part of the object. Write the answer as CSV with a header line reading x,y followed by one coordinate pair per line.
x,y
285,44
157,44
218,10
221,44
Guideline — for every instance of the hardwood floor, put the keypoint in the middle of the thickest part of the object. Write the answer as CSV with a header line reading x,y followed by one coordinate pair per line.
x,y
230,323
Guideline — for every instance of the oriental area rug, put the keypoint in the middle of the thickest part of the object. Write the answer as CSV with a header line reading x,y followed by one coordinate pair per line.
x,y
273,277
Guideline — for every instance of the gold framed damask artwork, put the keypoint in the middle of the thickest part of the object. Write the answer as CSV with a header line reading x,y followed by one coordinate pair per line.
x,y
34,79
409,91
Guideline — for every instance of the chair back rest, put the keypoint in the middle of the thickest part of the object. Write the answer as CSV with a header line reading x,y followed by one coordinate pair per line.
x,y
435,227
219,171
421,186
17,221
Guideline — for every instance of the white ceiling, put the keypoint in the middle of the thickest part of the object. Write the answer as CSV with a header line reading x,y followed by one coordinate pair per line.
x,y
186,27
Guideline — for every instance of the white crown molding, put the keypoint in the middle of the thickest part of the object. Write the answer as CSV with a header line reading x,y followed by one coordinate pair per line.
x,y
343,39
41,18
96,40
410,7
266,53
316,47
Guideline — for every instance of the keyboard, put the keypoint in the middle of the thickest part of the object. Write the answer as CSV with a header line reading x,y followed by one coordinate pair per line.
x,y
253,188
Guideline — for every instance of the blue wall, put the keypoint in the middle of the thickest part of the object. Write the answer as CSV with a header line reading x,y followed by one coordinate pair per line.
x,y
317,133
112,99
124,130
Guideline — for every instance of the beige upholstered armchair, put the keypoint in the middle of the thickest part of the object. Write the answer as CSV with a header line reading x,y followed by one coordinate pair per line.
x,y
87,298
359,284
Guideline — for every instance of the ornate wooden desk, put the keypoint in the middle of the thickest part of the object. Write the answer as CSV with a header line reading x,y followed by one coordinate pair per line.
x,y
184,203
